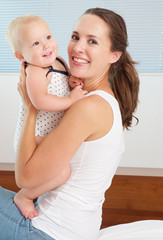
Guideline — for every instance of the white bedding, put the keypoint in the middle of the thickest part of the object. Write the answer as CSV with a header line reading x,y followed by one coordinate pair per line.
x,y
140,230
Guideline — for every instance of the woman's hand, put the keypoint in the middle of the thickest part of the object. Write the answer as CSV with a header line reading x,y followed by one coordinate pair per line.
x,y
23,90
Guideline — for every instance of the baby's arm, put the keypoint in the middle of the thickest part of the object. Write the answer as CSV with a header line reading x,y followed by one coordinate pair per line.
x,y
37,90
24,198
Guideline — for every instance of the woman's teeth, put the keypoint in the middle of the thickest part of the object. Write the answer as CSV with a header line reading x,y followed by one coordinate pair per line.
x,y
79,60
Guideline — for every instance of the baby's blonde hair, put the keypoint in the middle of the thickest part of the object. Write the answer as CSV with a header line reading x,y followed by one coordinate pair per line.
x,y
14,29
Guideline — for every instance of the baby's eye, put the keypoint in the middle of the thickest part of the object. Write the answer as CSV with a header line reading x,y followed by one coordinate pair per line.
x,y
36,43
74,37
49,37
92,41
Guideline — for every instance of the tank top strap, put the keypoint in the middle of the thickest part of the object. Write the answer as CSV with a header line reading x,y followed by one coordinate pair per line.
x,y
63,64
108,97
59,71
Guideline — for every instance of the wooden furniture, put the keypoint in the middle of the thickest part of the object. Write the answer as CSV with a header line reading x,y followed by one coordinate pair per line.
x,y
130,198
133,198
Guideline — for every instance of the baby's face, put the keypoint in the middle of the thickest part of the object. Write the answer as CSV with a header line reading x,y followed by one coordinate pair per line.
x,y
38,45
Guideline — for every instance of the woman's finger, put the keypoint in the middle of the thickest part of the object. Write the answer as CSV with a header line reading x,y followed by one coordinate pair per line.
x,y
48,78
22,73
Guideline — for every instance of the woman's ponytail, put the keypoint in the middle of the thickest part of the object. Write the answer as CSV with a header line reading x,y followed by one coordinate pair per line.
x,y
124,81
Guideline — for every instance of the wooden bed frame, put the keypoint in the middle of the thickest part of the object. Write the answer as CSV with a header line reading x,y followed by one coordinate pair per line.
x,y
130,198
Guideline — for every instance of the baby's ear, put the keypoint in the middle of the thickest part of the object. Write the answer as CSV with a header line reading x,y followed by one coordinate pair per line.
x,y
19,56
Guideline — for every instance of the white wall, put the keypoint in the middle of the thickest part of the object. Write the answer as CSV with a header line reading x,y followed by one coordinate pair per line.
x,y
9,105
144,143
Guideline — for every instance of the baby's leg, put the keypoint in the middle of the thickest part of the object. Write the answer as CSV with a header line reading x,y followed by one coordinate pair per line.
x,y
25,203
24,198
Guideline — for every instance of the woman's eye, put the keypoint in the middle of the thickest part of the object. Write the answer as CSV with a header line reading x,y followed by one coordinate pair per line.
x,y
35,43
49,37
92,41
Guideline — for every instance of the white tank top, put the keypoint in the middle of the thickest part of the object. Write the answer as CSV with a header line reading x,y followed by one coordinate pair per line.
x,y
73,211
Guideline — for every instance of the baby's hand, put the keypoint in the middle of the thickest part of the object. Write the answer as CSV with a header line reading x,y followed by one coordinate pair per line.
x,y
73,82
77,93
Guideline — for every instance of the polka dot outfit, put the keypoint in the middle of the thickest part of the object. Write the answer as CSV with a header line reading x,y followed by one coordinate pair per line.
x,y
47,121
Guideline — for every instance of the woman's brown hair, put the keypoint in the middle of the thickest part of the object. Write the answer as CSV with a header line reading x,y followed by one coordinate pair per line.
x,y
123,77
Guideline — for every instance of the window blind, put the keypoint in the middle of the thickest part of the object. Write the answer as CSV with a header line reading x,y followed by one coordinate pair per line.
x,y
144,20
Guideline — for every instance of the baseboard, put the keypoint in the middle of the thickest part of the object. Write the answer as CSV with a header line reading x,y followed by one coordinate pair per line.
x,y
131,171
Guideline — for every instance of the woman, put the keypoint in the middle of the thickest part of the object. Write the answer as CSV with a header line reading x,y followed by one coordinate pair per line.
x,y
89,138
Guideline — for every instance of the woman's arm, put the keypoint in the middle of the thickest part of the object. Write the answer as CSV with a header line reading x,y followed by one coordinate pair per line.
x,y
33,193
36,165
37,90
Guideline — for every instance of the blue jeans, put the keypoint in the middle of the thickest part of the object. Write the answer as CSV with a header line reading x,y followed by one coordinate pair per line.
x,y
13,225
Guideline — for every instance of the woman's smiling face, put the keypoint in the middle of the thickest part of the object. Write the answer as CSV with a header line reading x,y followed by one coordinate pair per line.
x,y
89,48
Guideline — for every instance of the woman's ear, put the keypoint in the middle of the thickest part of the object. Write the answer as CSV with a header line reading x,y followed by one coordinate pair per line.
x,y
19,56
115,56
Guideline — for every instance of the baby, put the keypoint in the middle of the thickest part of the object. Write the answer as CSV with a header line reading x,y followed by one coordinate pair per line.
x,y
32,42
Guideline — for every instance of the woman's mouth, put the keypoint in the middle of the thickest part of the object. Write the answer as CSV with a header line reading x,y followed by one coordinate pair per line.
x,y
79,60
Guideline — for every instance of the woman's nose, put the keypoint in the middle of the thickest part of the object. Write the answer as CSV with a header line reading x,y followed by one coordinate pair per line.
x,y
80,46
